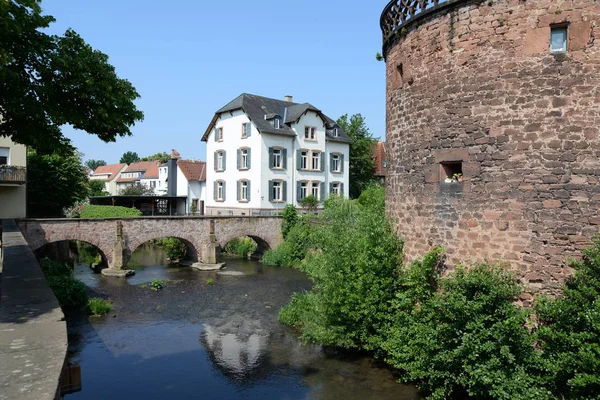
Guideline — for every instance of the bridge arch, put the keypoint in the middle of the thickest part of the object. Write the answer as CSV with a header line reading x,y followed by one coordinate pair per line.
x,y
193,248
261,243
61,250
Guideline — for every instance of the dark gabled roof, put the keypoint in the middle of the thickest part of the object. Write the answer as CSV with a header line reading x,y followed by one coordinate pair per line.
x,y
260,110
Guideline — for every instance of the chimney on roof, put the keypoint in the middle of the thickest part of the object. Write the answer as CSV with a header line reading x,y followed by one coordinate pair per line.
x,y
172,173
289,98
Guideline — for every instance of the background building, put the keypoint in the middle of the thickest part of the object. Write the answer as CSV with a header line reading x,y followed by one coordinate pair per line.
x,y
109,175
13,179
264,153
505,97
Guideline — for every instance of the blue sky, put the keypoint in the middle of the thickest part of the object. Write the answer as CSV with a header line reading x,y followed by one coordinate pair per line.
x,y
189,58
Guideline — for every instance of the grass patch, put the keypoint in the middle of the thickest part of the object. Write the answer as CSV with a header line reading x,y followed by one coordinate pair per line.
x,y
97,306
157,284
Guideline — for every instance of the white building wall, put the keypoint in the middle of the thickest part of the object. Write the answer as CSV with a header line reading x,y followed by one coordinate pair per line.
x,y
163,173
232,141
260,172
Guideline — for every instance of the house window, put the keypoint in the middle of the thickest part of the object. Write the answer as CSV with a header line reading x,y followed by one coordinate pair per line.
x,y
276,191
315,189
244,191
276,123
310,133
451,172
304,160
303,190
4,153
276,158
219,134
335,189
152,184
220,161
246,127
220,195
245,159
316,161
558,39
336,132
335,163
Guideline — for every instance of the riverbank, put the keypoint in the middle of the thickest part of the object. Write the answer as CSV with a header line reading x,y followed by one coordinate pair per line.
x,y
33,339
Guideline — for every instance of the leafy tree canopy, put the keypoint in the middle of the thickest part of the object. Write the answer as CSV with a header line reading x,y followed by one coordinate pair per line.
x,y
47,81
97,188
93,164
129,157
162,157
362,168
137,189
54,182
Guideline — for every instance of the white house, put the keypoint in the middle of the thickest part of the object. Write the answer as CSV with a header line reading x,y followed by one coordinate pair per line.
x,y
136,172
264,153
109,174
191,182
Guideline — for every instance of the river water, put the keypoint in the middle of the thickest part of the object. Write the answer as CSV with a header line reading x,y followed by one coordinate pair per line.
x,y
210,335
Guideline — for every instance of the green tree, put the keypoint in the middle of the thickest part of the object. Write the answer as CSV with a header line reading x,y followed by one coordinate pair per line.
x,y
54,182
129,157
162,157
93,164
362,168
569,331
97,188
48,81
137,189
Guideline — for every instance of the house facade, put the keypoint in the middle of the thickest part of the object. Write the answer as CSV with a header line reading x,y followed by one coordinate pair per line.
x,y
13,179
191,182
109,174
264,153
135,173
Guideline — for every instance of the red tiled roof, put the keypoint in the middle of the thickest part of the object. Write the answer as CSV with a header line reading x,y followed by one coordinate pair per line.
x,y
111,170
193,170
141,166
121,179
152,171
379,153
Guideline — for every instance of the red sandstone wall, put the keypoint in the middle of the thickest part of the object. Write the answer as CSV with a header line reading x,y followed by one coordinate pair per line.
x,y
478,85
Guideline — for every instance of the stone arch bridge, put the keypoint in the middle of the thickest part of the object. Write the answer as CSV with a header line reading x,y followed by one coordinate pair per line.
x,y
117,238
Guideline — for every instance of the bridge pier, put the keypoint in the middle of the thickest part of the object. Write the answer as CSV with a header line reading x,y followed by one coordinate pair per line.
x,y
211,252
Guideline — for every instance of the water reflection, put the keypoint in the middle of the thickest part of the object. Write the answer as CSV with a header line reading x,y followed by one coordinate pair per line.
x,y
220,341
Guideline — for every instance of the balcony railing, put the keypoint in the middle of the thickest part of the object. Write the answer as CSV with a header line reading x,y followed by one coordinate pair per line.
x,y
13,174
399,13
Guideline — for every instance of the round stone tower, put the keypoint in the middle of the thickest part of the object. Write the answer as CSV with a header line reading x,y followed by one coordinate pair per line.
x,y
493,120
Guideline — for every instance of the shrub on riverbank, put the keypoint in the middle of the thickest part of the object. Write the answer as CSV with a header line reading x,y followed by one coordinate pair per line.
x,y
71,293
569,333
94,211
174,248
241,247
295,247
97,306
460,335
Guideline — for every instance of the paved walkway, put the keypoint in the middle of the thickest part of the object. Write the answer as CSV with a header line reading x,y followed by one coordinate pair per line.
x,y
33,333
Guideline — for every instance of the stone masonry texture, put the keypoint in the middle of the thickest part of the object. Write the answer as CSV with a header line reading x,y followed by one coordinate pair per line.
x,y
475,84
194,231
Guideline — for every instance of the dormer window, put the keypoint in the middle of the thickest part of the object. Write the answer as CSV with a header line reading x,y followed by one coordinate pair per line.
x,y
277,123
336,131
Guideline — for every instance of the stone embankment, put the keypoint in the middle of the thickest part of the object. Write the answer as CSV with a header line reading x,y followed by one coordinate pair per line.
x,y
33,333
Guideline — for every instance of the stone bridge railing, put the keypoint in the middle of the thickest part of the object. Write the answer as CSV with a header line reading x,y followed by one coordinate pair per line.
x,y
117,239
400,13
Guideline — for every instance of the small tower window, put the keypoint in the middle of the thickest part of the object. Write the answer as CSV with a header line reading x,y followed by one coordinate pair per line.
x,y
558,39
452,172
